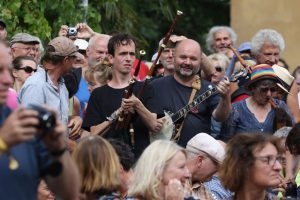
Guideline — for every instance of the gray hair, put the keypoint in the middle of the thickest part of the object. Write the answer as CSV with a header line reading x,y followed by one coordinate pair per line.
x,y
266,36
215,29
97,37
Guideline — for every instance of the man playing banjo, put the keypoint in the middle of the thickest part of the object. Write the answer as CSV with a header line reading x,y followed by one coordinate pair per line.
x,y
173,92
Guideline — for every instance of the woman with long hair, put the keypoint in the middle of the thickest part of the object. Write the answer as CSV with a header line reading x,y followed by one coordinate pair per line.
x,y
99,167
251,166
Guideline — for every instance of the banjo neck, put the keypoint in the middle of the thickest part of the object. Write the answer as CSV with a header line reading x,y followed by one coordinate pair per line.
x,y
199,99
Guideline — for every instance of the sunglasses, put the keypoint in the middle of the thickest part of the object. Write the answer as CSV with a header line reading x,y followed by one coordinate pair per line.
x,y
266,89
219,69
28,69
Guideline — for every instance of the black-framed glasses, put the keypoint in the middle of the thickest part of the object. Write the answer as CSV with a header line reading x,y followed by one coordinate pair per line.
x,y
270,160
219,68
28,69
266,89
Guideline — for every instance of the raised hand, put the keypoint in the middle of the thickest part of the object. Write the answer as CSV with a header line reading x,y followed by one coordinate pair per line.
x,y
19,127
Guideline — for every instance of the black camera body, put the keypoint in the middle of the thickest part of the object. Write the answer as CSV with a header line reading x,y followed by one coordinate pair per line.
x,y
291,191
72,31
47,119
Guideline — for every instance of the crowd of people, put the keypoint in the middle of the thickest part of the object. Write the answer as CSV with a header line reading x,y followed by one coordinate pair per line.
x,y
83,118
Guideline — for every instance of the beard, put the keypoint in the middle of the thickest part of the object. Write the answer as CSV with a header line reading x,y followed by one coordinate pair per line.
x,y
186,71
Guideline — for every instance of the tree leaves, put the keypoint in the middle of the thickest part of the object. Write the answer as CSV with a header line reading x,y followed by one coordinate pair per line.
x,y
147,20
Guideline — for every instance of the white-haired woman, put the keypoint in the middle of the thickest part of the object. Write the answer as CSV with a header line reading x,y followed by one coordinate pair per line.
x,y
160,173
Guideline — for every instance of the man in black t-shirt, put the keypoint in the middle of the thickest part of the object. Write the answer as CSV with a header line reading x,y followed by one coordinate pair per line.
x,y
173,92
105,103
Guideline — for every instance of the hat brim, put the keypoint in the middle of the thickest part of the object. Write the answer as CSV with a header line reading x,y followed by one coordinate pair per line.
x,y
283,88
252,82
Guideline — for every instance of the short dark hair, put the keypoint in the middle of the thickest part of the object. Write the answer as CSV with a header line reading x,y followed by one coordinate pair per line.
x,y
293,140
17,62
118,40
124,152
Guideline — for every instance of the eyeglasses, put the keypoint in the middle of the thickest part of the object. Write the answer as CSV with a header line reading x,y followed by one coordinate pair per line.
x,y
28,49
219,69
28,69
266,89
270,160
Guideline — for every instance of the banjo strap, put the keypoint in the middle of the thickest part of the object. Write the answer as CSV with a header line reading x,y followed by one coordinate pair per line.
x,y
196,86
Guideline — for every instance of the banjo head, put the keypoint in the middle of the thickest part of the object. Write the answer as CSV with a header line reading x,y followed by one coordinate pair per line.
x,y
166,131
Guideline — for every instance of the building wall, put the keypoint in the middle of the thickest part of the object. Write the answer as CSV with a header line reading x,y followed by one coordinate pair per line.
x,y
248,16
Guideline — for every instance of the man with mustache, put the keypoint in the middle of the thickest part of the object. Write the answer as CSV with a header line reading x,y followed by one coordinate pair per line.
x,y
219,37
171,93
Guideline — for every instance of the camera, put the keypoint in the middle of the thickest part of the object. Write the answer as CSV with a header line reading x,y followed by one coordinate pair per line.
x,y
72,31
291,191
47,120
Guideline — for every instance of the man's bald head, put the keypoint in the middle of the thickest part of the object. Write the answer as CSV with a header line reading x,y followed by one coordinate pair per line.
x,y
187,58
190,44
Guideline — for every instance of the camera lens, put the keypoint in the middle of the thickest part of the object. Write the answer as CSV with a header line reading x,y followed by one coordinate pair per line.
x,y
72,31
291,190
47,120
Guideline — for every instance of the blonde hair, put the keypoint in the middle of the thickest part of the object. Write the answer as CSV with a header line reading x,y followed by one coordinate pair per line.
x,y
221,58
98,165
149,169
100,73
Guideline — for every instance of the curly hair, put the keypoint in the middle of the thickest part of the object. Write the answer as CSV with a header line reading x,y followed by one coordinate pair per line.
x,y
263,36
211,35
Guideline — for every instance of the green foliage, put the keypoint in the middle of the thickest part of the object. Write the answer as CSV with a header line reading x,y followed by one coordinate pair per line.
x,y
147,20
44,18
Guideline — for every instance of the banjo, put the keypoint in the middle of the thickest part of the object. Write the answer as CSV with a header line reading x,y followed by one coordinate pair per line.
x,y
168,129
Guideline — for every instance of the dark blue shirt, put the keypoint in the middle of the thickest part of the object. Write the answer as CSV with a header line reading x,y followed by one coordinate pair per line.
x,y
33,159
169,95
242,120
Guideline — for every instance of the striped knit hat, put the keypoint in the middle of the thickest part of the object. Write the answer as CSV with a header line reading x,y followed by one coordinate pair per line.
x,y
260,72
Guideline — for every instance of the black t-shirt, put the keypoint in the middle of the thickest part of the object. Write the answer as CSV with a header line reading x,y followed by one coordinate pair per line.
x,y
169,95
103,102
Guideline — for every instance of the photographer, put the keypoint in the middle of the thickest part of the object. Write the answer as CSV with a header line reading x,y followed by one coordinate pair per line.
x,y
28,154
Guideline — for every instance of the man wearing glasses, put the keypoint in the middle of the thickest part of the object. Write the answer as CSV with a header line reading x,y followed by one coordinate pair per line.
x,y
24,44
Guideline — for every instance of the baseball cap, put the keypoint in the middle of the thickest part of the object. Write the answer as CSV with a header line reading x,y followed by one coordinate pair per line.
x,y
81,44
2,23
63,46
202,142
24,38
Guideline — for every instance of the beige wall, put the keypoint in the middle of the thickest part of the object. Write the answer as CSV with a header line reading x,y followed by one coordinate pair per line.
x,y
248,16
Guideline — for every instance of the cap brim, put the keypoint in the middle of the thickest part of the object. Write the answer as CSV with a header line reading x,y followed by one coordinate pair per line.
x,y
283,88
75,53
